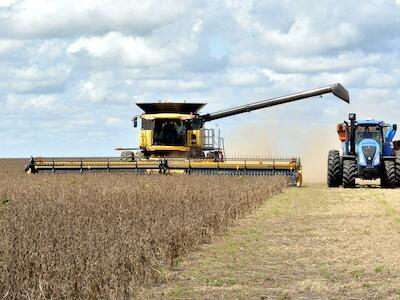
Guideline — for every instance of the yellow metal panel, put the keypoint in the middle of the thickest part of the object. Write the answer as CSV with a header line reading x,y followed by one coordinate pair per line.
x,y
167,148
178,164
148,163
196,142
285,165
299,179
167,116
146,138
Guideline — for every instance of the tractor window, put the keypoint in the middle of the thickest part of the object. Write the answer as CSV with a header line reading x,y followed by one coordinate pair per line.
x,y
169,132
369,132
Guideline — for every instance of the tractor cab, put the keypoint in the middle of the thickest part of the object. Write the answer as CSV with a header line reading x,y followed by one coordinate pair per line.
x,y
369,145
377,131
368,131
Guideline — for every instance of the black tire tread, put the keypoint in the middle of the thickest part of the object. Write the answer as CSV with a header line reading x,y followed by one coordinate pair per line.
x,y
349,173
397,162
334,178
389,179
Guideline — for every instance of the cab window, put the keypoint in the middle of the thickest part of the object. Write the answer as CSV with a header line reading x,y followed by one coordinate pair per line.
x,y
169,132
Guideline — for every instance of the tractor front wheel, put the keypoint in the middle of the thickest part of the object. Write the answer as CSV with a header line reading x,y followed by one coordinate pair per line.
x,y
389,179
349,173
334,178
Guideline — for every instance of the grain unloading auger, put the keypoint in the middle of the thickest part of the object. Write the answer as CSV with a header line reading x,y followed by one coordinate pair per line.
x,y
173,139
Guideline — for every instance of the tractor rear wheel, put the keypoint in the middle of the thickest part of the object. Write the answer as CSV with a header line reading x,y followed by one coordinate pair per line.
x,y
388,179
397,162
349,173
334,169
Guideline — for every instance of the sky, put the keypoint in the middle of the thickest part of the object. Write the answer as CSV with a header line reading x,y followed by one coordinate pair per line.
x,y
71,71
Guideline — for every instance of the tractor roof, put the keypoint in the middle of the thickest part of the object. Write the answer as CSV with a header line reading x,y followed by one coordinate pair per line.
x,y
370,122
171,107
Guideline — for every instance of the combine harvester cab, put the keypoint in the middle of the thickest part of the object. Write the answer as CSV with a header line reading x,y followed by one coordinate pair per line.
x,y
173,139
369,152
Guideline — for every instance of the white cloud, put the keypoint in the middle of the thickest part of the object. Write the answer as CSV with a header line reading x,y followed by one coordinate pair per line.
x,y
198,26
282,77
15,103
172,85
42,101
81,122
35,80
116,47
52,49
112,121
7,3
243,77
304,37
328,63
383,80
60,18
92,91
33,73
7,45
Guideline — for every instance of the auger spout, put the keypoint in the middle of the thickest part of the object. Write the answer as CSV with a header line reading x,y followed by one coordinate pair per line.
x,y
337,89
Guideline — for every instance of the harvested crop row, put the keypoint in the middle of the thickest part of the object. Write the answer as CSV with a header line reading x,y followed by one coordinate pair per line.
x,y
104,235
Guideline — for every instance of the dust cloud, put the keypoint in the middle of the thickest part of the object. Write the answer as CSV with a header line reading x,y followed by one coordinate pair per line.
x,y
273,139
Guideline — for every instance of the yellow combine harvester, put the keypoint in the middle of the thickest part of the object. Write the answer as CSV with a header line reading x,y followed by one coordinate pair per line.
x,y
173,139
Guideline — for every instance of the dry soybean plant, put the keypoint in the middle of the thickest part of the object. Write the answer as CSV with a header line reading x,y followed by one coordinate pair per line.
x,y
104,235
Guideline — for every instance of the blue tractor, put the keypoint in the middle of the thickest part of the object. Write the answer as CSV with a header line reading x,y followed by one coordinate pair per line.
x,y
369,152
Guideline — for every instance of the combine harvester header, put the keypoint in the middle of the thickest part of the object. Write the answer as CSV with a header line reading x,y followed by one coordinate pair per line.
x,y
173,139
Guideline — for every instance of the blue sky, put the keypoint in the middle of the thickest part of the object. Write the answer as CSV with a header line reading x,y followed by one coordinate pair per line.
x,y
71,71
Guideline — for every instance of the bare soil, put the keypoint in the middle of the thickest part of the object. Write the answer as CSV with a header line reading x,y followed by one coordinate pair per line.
x,y
308,243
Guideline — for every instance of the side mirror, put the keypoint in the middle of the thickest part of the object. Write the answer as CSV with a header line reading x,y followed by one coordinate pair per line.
x,y
352,116
394,127
134,121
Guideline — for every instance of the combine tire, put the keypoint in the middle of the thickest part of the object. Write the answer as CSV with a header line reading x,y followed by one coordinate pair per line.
x,y
349,173
397,162
334,169
388,179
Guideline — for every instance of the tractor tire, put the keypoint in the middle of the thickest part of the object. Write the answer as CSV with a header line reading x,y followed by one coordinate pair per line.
x,y
397,162
349,173
388,179
334,178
